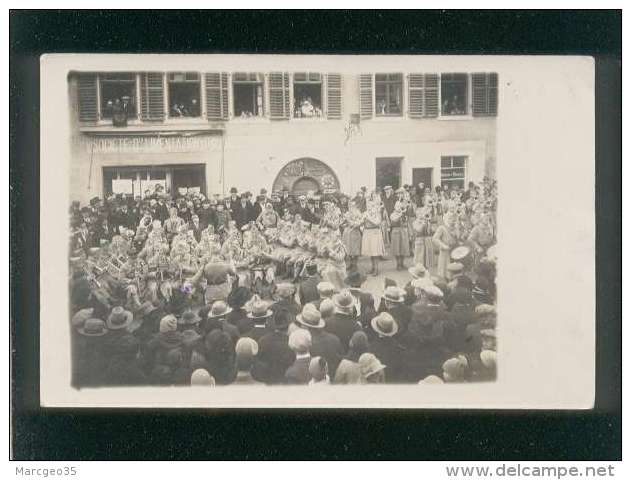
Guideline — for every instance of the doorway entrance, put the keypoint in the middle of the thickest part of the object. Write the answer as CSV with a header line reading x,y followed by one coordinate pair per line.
x,y
388,172
422,175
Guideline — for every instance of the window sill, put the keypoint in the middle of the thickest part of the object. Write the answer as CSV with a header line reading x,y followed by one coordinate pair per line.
x,y
455,117
308,119
138,127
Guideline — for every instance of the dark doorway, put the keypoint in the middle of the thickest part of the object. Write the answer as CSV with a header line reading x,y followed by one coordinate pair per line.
x,y
188,177
422,175
388,172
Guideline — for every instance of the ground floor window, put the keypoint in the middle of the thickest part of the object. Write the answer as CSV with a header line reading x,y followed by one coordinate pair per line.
x,y
453,171
388,172
141,182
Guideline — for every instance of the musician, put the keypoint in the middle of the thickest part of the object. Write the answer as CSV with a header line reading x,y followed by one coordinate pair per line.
x,y
268,218
372,238
352,236
332,218
445,238
172,224
423,231
243,212
481,236
399,236
196,228
303,210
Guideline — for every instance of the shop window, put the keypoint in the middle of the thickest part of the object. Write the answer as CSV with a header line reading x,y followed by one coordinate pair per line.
x,y
307,95
247,91
118,96
184,94
388,94
452,171
453,94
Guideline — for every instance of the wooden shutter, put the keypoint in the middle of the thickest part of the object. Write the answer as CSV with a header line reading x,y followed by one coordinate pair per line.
x,y
88,98
416,95
216,84
334,95
366,109
484,86
279,95
152,96
430,96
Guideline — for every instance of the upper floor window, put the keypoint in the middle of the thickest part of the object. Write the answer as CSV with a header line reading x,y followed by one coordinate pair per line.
x,y
389,94
184,89
118,96
454,94
307,95
247,93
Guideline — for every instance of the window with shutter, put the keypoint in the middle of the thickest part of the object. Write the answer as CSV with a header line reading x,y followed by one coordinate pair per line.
x,y
279,95
88,97
484,94
216,95
422,95
334,95
365,95
431,94
152,96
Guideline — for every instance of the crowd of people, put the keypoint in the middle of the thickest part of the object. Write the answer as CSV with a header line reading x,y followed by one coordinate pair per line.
x,y
191,290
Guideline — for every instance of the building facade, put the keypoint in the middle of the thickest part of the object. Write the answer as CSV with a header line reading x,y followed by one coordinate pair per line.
x,y
210,131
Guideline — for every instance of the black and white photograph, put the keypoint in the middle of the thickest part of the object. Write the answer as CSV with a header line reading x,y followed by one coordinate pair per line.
x,y
287,222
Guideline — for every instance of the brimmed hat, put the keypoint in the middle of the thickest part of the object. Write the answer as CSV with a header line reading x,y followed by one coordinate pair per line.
x,y
260,310
93,327
384,325
433,292
300,340
219,309
485,309
432,380
119,318
388,187
455,267
344,300
79,318
325,287
168,324
417,271
393,294
310,317
201,378
355,279
454,368
369,364
233,190
189,317
246,346
285,290
488,358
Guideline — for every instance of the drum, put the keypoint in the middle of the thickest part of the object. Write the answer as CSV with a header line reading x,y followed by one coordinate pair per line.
x,y
462,254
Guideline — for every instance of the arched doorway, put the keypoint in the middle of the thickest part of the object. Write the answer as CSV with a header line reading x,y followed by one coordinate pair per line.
x,y
306,174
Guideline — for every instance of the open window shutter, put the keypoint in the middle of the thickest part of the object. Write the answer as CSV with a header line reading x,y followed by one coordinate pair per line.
x,y
430,96
416,93
334,95
484,94
152,96
365,96
216,95
88,100
279,95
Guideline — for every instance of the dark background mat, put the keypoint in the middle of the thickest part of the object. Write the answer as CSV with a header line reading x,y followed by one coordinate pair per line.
x,y
86,434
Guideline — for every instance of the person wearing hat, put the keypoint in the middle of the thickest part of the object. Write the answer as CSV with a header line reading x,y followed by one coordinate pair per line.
x,y
189,320
352,235
300,344
323,343
423,228
371,369
375,234
89,354
305,212
201,378
344,322
455,369
237,299
243,212
259,317
286,299
325,290
393,302
385,346
354,282
166,340
308,286
399,235
319,371
246,351
275,356
117,323
455,270
348,372
213,317
445,239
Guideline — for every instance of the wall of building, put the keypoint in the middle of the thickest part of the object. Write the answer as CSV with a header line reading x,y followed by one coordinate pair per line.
x,y
253,151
